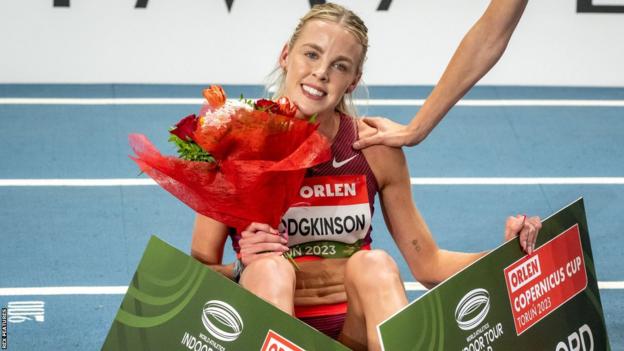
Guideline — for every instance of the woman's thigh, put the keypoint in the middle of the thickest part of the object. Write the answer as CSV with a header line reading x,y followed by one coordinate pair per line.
x,y
374,292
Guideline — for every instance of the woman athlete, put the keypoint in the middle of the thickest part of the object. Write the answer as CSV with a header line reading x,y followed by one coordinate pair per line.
x,y
341,281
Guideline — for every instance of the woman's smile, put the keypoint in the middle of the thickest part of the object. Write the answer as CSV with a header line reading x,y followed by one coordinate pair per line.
x,y
312,92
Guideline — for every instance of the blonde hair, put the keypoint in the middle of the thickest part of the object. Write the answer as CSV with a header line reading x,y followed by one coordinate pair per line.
x,y
351,22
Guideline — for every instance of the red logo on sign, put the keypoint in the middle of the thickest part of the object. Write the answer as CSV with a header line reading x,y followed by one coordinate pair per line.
x,y
542,282
276,342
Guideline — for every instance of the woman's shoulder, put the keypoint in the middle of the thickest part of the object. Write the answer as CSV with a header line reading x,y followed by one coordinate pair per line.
x,y
385,161
364,130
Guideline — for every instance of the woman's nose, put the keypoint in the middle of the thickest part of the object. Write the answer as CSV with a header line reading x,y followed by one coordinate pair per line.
x,y
320,72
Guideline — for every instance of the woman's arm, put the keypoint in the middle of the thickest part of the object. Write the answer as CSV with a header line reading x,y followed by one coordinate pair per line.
x,y
477,53
209,237
257,241
428,263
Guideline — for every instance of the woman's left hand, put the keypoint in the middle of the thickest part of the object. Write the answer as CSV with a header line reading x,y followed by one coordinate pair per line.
x,y
259,240
525,227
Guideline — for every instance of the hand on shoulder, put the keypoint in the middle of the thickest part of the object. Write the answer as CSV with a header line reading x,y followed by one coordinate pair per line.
x,y
367,131
388,163
383,131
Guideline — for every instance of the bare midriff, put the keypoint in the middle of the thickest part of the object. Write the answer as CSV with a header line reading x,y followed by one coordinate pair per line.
x,y
320,282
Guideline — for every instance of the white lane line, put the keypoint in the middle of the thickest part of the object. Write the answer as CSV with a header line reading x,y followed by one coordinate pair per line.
x,y
414,286
520,181
606,285
497,102
64,290
414,181
359,102
101,101
120,290
77,182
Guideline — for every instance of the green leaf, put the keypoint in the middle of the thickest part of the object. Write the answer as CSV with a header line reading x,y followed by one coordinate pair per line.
x,y
190,151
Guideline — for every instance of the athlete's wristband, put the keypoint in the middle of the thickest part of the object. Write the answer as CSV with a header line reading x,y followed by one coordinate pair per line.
x,y
238,269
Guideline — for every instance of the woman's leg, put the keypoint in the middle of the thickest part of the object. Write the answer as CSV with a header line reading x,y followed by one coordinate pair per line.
x,y
272,279
375,291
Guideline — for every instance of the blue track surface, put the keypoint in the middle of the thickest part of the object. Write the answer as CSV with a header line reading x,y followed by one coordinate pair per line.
x,y
94,236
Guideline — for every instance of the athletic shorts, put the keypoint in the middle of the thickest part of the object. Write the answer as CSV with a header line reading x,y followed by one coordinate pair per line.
x,y
327,319
329,325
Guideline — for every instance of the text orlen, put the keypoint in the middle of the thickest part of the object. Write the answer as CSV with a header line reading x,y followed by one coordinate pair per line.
x,y
327,190
524,273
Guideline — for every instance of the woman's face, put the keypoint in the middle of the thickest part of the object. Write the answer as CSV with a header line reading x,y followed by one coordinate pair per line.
x,y
321,67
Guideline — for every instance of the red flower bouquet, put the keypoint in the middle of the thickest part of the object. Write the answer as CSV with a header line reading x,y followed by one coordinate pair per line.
x,y
239,161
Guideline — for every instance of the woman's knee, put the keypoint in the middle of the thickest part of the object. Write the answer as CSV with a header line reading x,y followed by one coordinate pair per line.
x,y
272,270
371,268
272,279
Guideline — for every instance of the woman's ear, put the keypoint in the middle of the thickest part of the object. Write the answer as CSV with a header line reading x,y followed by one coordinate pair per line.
x,y
354,84
283,58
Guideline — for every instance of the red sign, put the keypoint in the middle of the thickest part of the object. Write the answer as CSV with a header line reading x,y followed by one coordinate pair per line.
x,y
276,342
540,283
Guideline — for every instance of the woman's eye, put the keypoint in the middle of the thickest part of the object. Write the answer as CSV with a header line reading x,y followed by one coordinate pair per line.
x,y
341,67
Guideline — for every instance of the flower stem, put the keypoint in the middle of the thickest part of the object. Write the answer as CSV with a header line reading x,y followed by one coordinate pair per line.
x,y
291,260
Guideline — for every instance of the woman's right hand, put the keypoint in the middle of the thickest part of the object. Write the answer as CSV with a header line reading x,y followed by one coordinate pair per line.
x,y
259,240
387,133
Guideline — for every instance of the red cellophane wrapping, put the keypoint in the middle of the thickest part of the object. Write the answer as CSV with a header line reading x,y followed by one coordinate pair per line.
x,y
261,159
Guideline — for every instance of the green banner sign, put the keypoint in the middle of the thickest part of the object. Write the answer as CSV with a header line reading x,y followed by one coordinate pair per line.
x,y
174,302
508,300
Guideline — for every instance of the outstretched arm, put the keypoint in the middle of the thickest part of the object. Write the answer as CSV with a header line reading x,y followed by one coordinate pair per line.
x,y
428,263
477,53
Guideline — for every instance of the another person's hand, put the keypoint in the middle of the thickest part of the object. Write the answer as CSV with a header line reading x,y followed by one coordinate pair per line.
x,y
388,133
259,240
526,227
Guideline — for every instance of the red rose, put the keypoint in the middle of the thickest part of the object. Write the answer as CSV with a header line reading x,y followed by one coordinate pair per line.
x,y
185,128
286,107
267,105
